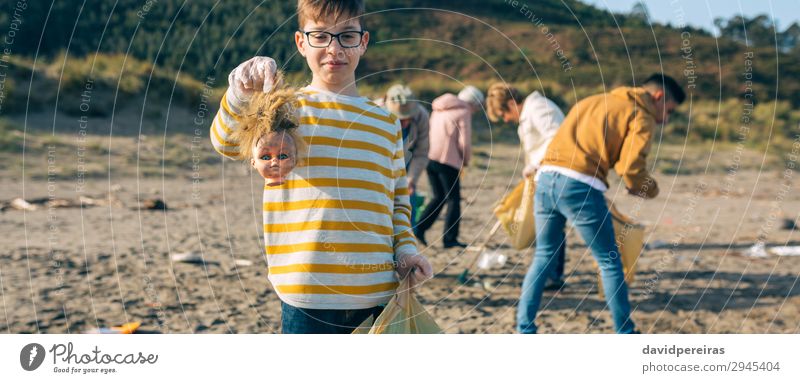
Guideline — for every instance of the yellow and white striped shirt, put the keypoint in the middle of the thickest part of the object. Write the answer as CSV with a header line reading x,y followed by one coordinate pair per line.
x,y
333,229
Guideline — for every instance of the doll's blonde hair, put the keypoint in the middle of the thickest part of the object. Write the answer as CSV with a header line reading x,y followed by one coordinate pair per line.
x,y
271,112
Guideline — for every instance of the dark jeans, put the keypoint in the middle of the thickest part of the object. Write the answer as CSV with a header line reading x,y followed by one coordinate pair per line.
x,y
295,320
558,272
446,189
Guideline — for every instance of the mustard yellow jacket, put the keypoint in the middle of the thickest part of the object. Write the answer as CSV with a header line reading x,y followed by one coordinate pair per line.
x,y
610,130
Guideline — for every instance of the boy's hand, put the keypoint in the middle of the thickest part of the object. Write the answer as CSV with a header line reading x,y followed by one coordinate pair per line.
x,y
417,264
256,74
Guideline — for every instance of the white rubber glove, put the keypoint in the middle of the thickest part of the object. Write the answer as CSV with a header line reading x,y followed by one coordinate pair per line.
x,y
255,74
421,270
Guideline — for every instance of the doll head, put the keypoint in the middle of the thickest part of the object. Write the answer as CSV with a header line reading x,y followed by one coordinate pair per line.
x,y
274,155
268,137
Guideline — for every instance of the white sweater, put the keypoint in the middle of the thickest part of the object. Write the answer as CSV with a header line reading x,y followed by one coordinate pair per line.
x,y
538,123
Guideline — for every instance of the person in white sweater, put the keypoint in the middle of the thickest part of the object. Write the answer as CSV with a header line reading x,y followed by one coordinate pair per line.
x,y
539,119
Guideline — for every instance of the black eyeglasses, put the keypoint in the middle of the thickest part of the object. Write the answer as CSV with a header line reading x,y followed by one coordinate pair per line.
x,y
322,39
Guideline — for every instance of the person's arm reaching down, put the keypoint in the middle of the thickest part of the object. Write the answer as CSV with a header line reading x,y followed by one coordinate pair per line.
x,y
632,164
419,156
465,138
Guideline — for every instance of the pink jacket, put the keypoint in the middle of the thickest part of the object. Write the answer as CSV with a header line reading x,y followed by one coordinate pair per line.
x,y
450,131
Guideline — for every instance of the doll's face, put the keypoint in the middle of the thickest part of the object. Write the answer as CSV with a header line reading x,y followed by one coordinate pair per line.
x,y
274,156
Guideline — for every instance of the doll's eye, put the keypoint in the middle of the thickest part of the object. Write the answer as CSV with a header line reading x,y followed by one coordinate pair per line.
x,y
266,157
283,156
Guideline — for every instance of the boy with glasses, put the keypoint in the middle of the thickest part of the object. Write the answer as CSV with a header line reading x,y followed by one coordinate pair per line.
x,y
338,228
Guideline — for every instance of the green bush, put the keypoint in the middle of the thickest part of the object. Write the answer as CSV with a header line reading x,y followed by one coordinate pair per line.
x,y
10,137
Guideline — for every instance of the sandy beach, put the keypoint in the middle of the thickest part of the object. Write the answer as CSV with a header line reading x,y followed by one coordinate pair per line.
x,y
67,270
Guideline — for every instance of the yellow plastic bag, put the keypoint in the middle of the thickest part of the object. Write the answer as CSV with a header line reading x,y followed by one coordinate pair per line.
x,y
402,315
515,212
629,236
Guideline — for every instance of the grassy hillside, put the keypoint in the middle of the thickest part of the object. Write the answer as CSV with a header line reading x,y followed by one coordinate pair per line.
x,y
153,56
468,40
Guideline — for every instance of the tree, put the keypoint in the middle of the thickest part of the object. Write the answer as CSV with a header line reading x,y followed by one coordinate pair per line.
x,y
640,12
789,39
759,30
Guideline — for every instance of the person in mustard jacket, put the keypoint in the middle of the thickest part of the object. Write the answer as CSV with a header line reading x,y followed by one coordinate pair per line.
x,y
601,132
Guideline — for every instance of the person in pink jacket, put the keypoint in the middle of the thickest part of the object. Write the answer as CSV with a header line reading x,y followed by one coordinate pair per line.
x,y
450,151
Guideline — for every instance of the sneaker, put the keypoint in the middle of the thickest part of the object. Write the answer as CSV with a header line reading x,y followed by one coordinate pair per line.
x,y
448,245
554,285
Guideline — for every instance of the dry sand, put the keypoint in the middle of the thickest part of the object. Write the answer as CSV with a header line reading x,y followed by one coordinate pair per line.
x,y
70,269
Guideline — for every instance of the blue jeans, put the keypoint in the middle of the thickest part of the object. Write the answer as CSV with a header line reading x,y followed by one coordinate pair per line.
x,y
557,199
558,271
295,320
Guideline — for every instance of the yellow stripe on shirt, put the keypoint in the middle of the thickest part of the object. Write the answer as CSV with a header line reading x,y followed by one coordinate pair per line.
x,y
404,241
327,225
228,108
349,144
349,108
219,138
332,268
403,235
329,248
341,162
332,182
326,204
313,120
330,289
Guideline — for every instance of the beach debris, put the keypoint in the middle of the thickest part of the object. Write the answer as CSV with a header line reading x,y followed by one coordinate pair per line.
x,y
491,260
89,201
243,262
154,204
192,257
785,251
188,257
126,328
21,204
788,224
657,244
61,202
58,203
110,200
757,251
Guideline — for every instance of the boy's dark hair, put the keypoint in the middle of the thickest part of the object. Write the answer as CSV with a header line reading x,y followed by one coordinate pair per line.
x,y
317,10
671,87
